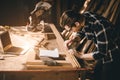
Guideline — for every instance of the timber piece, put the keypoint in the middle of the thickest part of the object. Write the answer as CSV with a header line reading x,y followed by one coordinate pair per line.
x,y
35,62
59,38
44,67
60,42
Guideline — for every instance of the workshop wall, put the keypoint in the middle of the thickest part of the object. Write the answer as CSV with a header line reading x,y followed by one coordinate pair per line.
x,y
16,12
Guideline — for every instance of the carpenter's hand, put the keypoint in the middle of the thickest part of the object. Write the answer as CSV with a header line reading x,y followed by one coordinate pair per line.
x,y
80,55
67,44
71,51
75,53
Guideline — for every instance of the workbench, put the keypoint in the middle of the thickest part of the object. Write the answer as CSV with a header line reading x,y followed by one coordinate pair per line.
x,y
28,67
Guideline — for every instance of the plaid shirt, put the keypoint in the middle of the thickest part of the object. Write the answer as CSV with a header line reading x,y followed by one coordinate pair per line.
x,y
98,29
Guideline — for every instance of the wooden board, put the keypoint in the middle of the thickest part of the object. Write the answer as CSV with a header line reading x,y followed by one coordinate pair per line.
x,y
60,42
33,62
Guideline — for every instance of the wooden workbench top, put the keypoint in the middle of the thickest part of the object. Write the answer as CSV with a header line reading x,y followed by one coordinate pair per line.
x,y
19,37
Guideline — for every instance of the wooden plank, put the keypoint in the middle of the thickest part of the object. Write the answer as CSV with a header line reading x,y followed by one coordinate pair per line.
x,y
33,63
44,67
60,41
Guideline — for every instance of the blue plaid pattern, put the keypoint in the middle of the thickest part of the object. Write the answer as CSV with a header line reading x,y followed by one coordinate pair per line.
x,y
99,29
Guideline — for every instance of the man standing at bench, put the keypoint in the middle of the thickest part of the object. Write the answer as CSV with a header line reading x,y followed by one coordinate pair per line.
x,y
101,32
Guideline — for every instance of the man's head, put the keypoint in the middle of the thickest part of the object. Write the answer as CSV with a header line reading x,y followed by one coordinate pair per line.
x,y
72,20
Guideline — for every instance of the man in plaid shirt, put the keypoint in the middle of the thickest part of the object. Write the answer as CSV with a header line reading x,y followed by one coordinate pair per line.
x,y
102,33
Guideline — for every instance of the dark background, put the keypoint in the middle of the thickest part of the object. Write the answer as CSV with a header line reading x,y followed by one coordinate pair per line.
x,y
16,12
